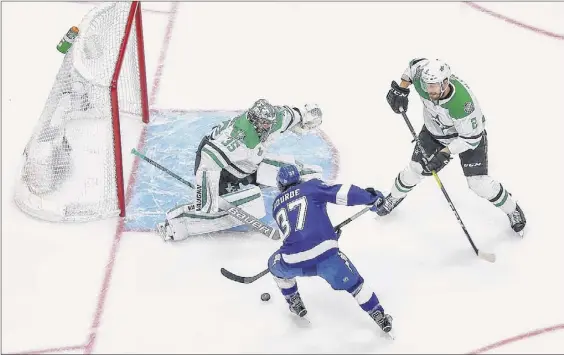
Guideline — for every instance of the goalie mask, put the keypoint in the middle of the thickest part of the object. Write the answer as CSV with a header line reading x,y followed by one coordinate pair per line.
x,y
262,116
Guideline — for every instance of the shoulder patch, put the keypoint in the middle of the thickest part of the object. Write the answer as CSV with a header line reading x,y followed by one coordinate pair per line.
x,y
469,107
461,104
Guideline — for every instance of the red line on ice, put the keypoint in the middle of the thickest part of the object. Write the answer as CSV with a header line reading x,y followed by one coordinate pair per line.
x,y
91,341
513,21
519,337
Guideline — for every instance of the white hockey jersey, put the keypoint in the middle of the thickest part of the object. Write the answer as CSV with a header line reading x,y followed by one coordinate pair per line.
x,y
457,120
236,146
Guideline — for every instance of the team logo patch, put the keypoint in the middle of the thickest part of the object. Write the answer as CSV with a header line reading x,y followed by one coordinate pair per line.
x,y
469,107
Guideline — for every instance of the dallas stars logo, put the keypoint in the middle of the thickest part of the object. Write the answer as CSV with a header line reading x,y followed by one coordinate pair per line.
x,y
441,125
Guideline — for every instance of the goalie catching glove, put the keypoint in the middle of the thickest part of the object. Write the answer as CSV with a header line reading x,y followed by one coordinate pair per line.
x,y
310,118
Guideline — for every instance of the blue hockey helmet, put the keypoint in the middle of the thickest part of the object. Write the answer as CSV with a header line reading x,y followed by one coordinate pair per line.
x,y
288,175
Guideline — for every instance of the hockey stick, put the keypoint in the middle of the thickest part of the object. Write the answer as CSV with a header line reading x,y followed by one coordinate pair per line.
x,y
224,205
162,168
243,279
251,279
486,256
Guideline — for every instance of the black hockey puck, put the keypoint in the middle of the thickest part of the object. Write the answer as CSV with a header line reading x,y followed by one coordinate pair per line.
x,y
265,296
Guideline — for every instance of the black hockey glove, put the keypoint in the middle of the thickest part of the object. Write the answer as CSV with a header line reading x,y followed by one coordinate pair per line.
x,y
397,97
438,161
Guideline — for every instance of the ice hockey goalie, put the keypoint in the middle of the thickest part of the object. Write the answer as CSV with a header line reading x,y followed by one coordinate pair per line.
x,y
232,161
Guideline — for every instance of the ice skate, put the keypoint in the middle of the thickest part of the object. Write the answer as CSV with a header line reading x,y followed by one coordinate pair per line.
x,y
517,220
384,321
388,205
297,305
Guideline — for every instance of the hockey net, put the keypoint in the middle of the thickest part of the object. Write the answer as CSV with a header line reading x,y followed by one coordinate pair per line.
x,y
72,166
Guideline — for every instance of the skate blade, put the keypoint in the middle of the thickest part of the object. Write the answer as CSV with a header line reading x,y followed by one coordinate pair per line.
x,y
389,335
301,322
521,233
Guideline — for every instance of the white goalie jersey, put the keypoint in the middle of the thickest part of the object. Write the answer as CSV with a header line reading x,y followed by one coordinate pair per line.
x,y
236,146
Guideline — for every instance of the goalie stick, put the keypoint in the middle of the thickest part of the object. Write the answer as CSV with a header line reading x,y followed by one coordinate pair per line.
x,y
485,256
224,205
251,279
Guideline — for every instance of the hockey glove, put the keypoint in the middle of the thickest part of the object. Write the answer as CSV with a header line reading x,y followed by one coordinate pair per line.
x,y
310,118
438,161
397,97
378,198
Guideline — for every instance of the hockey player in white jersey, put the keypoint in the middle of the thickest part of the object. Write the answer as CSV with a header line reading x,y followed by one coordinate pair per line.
x,y
453,125
232,161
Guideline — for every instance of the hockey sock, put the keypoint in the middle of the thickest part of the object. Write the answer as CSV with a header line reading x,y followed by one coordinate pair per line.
x,y
504,201
288,287
365,297
406,180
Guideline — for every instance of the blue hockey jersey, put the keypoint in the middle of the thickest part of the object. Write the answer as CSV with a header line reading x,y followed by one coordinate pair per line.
x,y
301,214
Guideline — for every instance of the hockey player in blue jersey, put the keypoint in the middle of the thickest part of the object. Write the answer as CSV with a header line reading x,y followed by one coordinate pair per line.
x,y
310,244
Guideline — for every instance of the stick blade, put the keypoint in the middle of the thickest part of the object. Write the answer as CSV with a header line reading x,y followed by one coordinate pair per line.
x,y
243,279
232,276
487,256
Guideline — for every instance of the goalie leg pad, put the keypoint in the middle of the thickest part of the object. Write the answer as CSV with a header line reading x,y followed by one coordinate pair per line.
x,y
207,190
208,175
186,221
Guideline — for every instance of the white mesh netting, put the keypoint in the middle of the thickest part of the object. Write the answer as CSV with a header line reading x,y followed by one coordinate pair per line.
x,y
69,168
